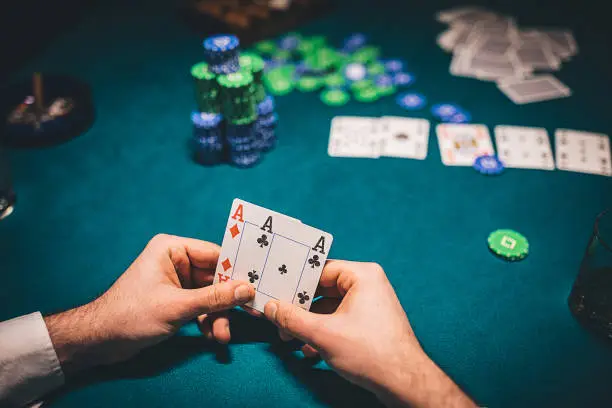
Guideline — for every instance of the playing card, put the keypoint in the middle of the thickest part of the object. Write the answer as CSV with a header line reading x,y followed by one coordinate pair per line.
x,y
583,152
404,137
352,136
447,16
282,258
535,89
460,144
562,42
524,147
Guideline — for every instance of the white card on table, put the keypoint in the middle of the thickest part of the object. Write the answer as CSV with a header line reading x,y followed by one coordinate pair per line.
x,y
461,144
404,137
535,89
583,152
524,147
352,136
282,258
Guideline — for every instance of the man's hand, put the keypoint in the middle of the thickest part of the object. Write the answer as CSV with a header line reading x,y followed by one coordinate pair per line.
x,y
165,287
360,329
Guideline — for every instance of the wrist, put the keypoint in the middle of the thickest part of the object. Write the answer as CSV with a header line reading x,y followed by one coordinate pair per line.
x,y
415,380
75,338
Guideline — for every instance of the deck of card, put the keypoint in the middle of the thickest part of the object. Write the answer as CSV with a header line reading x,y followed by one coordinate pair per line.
x,y
460,144
280,256
491,47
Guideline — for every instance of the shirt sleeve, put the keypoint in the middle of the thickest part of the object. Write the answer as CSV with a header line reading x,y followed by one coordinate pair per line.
x,y
29,367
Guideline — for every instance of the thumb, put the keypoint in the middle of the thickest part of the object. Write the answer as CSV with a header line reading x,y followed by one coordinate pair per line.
x,y
294,320
216,298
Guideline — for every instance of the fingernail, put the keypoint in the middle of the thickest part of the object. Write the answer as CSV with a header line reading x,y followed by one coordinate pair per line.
x,y
272,308
242,293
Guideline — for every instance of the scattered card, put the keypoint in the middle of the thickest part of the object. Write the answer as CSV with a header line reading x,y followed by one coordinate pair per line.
x,y
281,257
535,89
583,152
404,137
352,136
524,147
460,144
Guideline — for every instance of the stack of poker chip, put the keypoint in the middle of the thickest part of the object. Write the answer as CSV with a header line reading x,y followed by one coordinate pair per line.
x,y
208,138
206,88
235,120
265,126
222,53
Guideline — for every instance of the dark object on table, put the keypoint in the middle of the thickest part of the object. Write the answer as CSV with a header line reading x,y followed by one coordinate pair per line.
x,y
7,194
591,297
250,20
44,111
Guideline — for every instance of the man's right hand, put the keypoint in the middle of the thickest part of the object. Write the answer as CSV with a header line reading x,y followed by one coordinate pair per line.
x,y
361,330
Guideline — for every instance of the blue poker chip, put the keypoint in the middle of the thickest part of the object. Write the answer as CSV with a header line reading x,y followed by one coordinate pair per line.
x,y
221,43
459,117
266,106
354,41
355,71
445,110
383,81
267,121
411,101
289,42
393,65
206,120
489,165
402,79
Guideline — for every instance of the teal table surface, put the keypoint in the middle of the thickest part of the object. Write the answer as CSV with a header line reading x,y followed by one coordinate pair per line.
x,y
502,331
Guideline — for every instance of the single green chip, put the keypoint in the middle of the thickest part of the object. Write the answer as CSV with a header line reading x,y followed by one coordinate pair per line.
x,y
385,90
376,69
284,71
279,86
318,41
282,55
335,97
201,71
266,47
335,80
309,83
235,79
367,95
361,85
508,244
365,55
251,62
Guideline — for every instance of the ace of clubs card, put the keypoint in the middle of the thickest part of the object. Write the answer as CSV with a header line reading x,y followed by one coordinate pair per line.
x,y
461,144
281,257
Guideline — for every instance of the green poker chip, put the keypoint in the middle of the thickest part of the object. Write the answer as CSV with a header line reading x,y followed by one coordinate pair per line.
x,y
309,83
508,244
376,69
251,62
335,80
279,85
201,71
335,97
361,85
366,95
366,55
385,90
266,47
235,79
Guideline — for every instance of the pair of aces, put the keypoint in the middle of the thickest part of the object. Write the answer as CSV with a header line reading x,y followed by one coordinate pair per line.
x,y
280,256
527,148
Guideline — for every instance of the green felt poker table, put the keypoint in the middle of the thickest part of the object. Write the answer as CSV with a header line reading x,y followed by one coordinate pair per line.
x,y
503,331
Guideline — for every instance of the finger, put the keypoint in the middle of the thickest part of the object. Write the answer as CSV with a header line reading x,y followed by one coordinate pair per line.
x,y
340,275
202,277
220,327
296,321
204,326
309,351
284,336
215,298
252,312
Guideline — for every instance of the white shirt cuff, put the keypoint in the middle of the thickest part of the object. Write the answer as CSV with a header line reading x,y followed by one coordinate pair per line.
x,y
29,367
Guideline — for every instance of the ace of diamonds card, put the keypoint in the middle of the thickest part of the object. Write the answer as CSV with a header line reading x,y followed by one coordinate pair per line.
x,y
281,257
